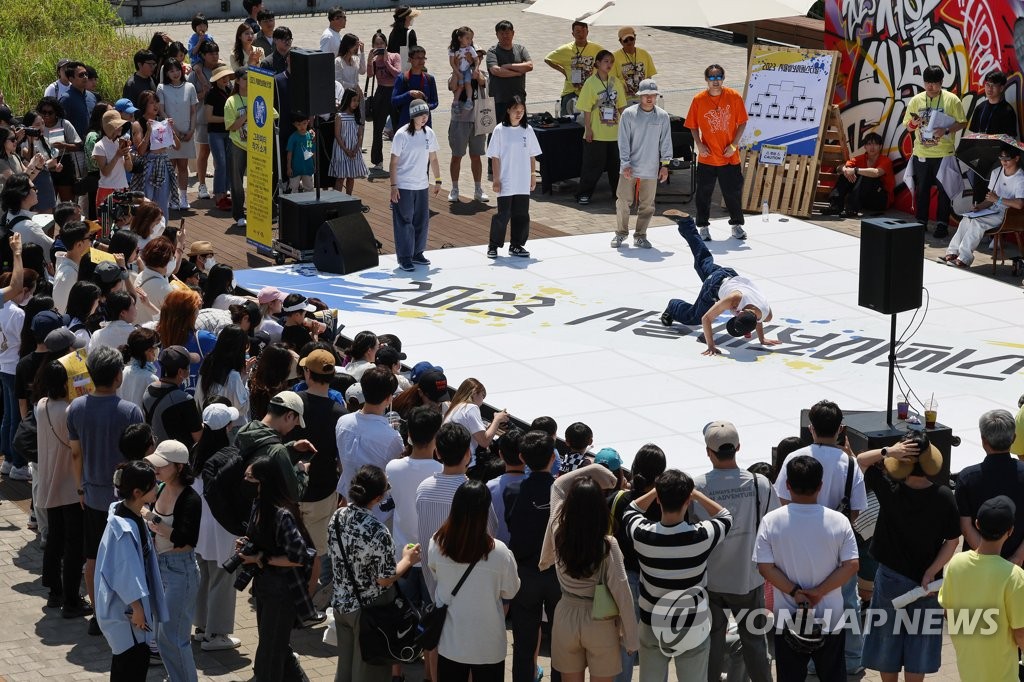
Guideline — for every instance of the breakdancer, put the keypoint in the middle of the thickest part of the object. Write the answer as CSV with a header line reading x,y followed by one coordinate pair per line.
x,y
722,289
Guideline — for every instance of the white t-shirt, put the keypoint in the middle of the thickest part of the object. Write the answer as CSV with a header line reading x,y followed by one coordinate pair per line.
x,y
12,319
330,41
833,483
178,102
513,146
806,542
468,414
1007,186
106,149
235,390
405,476
272,327
749,294
223,301
113,334
365,439
474,629
156,286
413,152
357,368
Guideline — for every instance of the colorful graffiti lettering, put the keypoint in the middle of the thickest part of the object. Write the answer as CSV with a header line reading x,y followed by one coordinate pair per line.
x,y
885,46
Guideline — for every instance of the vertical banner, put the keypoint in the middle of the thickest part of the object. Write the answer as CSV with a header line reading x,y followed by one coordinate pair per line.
x,y
259,193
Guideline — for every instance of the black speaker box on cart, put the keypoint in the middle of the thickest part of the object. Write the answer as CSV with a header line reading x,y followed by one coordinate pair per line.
x,y
345,244
311,82
302,215
870,431
891,265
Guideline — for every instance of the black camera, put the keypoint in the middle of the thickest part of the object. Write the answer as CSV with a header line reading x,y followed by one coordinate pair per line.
x,y
33,132
234,562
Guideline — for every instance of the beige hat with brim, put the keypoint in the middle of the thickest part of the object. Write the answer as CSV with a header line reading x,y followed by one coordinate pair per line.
x,y
221,71
113,123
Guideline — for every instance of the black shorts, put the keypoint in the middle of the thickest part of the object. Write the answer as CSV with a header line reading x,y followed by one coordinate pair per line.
x,y
93,523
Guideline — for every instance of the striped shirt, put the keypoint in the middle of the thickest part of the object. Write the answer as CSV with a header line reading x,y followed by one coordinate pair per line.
x,y
433,503
673,558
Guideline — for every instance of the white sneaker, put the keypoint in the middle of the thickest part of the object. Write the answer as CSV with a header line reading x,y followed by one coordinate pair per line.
x,y
705,234
738,232
183,200
5,468
20,474
203,192
453,196
480,195
241,222
220,643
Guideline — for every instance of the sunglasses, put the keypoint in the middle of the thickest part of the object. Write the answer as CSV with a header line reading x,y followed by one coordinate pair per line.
x,y
716,78
1007,158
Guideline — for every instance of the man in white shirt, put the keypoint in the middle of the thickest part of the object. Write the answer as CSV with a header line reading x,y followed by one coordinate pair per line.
x,y
807,552
366,437
330,40
404,476
828,432
734,584
75,237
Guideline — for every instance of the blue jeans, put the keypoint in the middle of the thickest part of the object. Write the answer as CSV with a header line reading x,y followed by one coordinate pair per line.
x,y
411,218
219,144
710,274
854,639
12,417
180,575
630,661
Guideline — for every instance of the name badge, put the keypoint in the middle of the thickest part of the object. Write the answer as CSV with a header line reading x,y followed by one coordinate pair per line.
x,y
608,114
576,76
307,155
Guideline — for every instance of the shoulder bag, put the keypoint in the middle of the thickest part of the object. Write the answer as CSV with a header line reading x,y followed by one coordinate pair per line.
x,y
433,617
387,632
485,118
604,606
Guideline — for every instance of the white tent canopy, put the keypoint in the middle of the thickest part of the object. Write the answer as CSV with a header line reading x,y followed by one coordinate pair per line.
x,y
690,13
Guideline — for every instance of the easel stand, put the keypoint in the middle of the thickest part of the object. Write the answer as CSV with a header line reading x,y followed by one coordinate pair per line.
x,y
789,188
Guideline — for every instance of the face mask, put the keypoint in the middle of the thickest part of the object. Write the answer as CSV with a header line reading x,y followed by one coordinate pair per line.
x,y
171,265
210,262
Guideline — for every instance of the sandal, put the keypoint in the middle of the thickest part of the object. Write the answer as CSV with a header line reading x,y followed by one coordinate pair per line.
x,y
948,258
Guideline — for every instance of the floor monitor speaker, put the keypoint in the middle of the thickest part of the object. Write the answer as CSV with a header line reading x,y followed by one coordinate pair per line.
x,y
345,244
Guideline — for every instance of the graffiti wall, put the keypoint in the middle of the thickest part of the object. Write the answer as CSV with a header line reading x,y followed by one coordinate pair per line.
x,y
886,45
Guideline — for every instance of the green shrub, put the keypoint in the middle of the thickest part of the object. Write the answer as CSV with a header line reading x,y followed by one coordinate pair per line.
x,y
33,37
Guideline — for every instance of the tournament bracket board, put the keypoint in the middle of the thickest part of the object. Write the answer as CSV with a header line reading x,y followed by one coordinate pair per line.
x,y
787,94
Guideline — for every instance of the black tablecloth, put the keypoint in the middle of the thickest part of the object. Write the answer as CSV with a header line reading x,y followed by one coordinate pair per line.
x,y
561,153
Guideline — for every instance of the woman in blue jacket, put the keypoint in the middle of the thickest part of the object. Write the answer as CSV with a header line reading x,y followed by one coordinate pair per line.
x,y
129,595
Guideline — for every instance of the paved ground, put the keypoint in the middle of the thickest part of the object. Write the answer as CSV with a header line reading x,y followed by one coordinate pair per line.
x,y
36,643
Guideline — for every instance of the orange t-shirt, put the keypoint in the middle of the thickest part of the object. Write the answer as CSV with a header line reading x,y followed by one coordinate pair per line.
x,y
717,118
888,175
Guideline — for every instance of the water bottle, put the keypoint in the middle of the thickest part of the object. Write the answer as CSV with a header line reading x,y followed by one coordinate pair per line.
x,y
764,212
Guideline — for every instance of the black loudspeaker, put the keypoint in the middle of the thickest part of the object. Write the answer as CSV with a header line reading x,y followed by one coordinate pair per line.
x,y
870,431
302,214
345,245
311,82
891,265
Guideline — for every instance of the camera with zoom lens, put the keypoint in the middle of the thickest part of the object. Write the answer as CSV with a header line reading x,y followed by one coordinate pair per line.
x,y
234,562
33,132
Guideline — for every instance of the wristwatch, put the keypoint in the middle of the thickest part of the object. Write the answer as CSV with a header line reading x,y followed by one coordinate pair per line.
x,y
885,451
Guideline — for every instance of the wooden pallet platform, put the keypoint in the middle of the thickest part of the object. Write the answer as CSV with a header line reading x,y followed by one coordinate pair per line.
x,y
466,223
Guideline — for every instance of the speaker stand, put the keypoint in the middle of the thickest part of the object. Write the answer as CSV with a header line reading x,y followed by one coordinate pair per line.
x,y
892,368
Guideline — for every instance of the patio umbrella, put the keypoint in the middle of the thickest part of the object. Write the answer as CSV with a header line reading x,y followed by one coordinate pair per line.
x,y
979,151
689,13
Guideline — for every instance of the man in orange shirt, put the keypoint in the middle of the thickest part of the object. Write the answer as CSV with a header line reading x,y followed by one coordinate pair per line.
x,y
866,181
717,118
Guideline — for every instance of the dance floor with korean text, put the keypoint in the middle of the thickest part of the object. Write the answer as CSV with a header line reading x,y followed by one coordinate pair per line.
x,y
573,332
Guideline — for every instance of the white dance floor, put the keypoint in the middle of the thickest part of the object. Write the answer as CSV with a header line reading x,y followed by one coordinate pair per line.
x,y
573,333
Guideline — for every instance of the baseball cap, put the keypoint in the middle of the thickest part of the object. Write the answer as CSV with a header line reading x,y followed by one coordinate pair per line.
x,y
433,384
294,303
387,356
61,63
125,106
418,107
169,451
290,400
62,340
996,516
355,392
608,458
186,269
45,322
419,368
741,324
175,357
108,272
218,416
270,294
647,87
720,433
200,248
320,361
627,31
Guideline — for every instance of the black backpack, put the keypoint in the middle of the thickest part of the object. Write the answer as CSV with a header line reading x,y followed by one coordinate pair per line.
x,y
229,502
24,441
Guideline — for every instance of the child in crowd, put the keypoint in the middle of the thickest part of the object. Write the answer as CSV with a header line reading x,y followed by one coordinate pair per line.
x,y
301,151
462,57
347,163
578,437
199,34
505,488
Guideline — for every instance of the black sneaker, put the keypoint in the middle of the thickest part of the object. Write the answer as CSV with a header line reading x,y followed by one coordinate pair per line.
x,y
94,627
420,259
82,608
583,200
406,266
154,658
54,600
317,618
666,318
518,251
492,252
